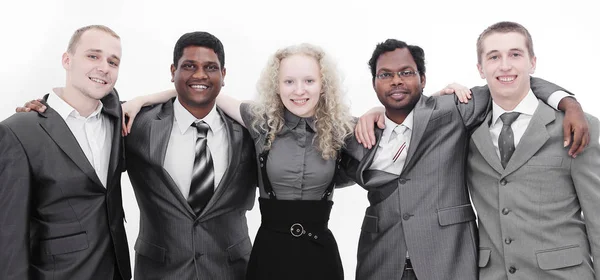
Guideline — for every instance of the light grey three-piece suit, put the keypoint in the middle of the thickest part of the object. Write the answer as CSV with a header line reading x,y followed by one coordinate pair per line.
x,y
174,242
530,222
425,210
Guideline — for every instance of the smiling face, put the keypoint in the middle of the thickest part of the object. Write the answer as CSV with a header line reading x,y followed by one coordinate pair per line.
x,y
506,65
300,84
398,94
93,67
198,79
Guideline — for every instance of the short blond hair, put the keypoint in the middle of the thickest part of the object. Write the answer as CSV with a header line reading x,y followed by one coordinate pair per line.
x,y
79,32
504,27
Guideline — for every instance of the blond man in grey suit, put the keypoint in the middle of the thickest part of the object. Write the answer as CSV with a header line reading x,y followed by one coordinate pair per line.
x,y
528,192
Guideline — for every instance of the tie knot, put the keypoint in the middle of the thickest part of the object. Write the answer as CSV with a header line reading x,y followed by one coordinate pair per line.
x,y
202,128
400,129
509,118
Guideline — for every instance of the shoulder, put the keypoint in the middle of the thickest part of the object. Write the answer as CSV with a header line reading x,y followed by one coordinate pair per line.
x,y
21,119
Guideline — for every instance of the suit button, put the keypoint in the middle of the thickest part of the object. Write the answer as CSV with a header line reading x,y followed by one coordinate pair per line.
x,y
406,216
505,211
402,181
503,182
508,240
512,269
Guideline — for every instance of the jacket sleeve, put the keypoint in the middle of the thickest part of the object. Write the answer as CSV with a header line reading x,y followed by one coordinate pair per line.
x,y
585,173
15,192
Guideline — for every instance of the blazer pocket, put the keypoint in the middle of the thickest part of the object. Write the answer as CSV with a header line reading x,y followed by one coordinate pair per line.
x,y
544,161
484,257
455,214
150,250
240,249
559,257
66,244
370,224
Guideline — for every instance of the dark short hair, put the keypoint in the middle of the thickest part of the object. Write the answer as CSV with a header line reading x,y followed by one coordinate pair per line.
x,y
392,44
504,27
199,39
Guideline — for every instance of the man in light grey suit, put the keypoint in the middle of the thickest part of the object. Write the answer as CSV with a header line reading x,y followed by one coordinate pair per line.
x,y
182,238
420,223
528,193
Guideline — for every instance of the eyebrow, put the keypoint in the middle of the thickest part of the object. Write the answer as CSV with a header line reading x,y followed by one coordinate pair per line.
x,y
511,50
100,51
404,68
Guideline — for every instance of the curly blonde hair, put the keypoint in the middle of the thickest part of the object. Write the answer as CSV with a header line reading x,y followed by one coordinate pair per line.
x,y
332,116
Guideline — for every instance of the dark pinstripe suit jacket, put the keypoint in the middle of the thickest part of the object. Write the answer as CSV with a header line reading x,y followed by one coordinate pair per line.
x,y
57,221
174,242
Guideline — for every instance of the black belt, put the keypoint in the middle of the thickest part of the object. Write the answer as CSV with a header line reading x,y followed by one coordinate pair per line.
x,y
310,231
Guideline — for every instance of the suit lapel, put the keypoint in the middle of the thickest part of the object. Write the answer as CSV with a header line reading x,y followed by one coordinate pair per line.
x,y
422,114
235,138
160,133
483,142
58,130
112,108
366,161
533,139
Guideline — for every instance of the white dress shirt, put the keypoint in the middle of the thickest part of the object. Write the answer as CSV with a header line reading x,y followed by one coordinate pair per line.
x,y
393,148
179,159
526,108
93,133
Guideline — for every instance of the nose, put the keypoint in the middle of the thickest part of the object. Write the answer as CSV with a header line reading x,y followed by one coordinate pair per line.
x,y
200,74
103,67
396,80
505,64
300,88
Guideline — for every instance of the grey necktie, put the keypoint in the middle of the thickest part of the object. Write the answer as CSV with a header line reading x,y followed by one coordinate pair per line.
x,y
506,140
203,175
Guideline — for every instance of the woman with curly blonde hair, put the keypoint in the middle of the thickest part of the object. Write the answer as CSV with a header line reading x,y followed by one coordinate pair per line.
x,y
299,125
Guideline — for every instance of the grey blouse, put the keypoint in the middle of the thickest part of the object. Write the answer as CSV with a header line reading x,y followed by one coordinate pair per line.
x,y
295,167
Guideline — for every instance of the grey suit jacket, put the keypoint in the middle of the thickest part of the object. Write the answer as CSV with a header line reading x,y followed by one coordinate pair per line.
x,y
57,220
425,209
530,222
174,242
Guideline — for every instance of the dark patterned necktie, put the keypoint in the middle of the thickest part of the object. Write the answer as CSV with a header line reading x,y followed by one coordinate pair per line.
x,y
506,140
203,175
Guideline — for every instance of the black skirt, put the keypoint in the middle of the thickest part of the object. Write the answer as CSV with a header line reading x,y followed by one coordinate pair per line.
x,y
293,242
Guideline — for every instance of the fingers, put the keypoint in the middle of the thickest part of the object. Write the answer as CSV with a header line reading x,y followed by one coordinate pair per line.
x,y
123,125
129,124
581,139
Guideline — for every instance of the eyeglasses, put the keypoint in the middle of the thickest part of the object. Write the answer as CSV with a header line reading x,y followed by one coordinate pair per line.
x,y
401,74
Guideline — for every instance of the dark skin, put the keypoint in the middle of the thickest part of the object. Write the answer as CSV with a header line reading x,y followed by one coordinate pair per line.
x,y
399,95
198,79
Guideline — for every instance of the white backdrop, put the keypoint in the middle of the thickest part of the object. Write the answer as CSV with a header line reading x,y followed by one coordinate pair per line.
x,y
36,33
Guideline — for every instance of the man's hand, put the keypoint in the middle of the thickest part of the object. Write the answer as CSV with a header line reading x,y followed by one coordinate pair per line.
x,y
463,93
575,126
35,105
130,110
365,130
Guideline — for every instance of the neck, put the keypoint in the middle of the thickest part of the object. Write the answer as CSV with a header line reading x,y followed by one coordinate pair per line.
x,y
199,112
84,105
508,102
398,116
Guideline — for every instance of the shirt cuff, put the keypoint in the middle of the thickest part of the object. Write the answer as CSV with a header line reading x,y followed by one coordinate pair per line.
x,y
556,97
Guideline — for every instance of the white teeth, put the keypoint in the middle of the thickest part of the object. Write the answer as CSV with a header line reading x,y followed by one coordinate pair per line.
x,y
299,101
98,81
199,86
506,79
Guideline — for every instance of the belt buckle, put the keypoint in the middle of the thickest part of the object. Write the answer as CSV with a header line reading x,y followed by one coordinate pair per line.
x,y
297,230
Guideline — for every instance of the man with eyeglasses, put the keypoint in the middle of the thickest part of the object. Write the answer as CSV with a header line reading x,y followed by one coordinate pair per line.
x,y
420,223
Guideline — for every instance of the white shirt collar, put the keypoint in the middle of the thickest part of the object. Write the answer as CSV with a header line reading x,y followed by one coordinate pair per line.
x,y
527,106
390,125
185,119
65,110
